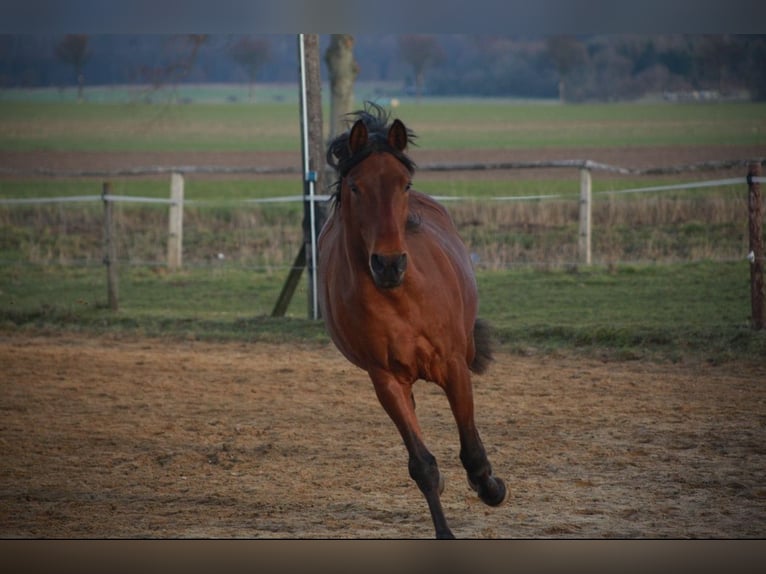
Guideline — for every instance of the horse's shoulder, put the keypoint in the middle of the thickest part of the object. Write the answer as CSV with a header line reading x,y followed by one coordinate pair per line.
x,y
428,209
436,231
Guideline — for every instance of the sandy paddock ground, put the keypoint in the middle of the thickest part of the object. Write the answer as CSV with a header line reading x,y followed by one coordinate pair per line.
x,y
128,437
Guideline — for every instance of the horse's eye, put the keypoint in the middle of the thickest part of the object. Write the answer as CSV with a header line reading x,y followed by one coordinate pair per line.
x,y
353,188
408,186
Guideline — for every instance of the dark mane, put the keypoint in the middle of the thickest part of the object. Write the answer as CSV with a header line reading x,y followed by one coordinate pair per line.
x,y
339,156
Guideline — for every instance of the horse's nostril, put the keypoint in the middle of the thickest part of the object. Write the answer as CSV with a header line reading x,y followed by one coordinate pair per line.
x,y
378,263
401,263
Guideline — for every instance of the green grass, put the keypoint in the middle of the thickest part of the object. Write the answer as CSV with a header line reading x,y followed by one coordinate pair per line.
x,y
673,311
214,303
678,312
117,127
510,126
220,127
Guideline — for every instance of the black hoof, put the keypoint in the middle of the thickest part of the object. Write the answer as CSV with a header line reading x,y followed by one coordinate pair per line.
x,y
494,493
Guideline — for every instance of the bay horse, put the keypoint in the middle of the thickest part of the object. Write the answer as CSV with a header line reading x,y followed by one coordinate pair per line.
x,y
399,299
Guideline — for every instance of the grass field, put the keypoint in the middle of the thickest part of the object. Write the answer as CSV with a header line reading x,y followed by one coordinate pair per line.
x,y
697,311
643,299
495,124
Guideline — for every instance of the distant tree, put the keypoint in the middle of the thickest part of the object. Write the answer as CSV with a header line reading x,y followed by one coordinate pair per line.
x,y
251,54
420,52
343,70
567,54
182,55
73,51
755,48
721,57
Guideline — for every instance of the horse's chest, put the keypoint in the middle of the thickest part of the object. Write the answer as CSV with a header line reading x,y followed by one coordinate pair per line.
x,y
409,351
430,361
404,332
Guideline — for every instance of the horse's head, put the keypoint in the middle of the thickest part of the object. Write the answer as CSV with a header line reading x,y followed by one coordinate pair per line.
x,y
373,196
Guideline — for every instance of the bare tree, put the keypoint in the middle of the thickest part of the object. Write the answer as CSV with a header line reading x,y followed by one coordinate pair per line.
x,y
73,51
251,54
567,54
343,70
755,56
721,57
420,52
183,52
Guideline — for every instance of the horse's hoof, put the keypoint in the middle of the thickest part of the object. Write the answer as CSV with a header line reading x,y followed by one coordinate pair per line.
x,y
497,495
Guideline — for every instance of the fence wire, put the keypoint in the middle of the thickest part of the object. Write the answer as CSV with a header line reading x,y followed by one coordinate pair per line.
x,y
319,198
509,257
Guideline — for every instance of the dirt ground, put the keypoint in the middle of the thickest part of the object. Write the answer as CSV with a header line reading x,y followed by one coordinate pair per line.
x,y
125,437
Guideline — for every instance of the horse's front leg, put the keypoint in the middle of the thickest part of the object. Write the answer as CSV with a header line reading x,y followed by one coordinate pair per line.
x,y
396,398
490,489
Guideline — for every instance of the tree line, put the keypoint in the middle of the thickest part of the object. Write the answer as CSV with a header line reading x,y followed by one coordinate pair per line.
x,y
570,68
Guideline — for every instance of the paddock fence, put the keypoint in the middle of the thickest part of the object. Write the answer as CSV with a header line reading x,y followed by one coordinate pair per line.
x,y
581,253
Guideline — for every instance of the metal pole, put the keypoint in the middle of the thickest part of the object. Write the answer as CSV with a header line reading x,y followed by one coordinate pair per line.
x,y
309,177
304,110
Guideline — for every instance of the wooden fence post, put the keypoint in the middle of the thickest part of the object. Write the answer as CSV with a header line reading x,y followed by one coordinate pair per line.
x,y
583,244
176,221
110,248
756,254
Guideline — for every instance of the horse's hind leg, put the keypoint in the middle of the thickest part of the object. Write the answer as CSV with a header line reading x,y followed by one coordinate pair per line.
x,y
397,400
490,489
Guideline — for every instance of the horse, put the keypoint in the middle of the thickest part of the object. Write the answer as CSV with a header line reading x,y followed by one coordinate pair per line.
x,y
398,296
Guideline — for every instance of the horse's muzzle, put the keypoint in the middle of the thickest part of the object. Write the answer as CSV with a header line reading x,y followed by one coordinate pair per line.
x,y
388,270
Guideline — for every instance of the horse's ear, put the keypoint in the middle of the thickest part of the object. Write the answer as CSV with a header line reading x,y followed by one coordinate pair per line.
x,y
357,138
397,135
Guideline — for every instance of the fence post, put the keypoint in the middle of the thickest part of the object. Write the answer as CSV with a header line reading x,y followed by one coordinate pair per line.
x,y
176,221
756,255
583,244
110,248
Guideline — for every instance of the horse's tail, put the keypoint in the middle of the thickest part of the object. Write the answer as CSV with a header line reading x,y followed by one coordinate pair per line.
x,y
482,340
